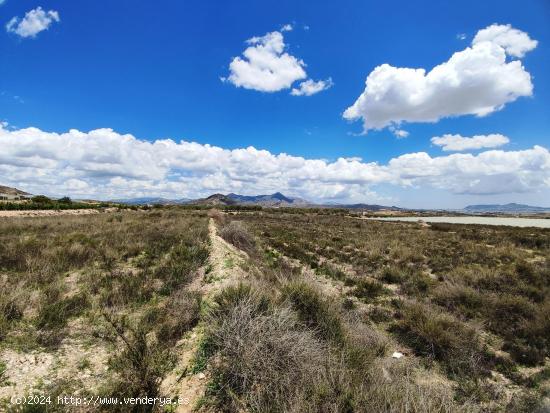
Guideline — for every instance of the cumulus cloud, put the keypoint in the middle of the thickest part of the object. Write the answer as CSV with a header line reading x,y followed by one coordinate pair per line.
x,y
311,87
34,22
105,164
457,143
515,42
266,67
476,81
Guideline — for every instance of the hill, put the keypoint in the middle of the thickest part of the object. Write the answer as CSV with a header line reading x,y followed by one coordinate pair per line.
x,y
369,207
6,190
214,200
511,208
276,199
150,200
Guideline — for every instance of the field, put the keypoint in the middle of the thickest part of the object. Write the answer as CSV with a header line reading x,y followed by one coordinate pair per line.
x,y
94,304
274,310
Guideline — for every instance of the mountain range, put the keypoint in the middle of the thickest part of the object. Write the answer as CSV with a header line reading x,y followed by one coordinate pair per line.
x,y
511,208
273,200
151,201
277,199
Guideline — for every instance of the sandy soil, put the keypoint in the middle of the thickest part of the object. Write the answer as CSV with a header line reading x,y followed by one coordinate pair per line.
x,y
47,213
85,365
225,262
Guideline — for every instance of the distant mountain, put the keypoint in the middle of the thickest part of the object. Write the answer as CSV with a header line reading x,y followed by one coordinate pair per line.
x,y
273,200
215,200
150,201
507,208
276,199
6,190
369,207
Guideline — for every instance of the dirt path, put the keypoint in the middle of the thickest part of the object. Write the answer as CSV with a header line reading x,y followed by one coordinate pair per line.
x,y
225,268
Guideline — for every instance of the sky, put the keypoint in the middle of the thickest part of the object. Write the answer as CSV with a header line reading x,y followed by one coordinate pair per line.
x,y
422,104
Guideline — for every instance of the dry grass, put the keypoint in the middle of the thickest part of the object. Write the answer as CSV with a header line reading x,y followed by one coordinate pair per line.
x,y
236,233
470,299
326,301
60,272
295,353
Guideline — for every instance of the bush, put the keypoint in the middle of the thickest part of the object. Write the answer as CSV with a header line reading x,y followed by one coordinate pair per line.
x,y
140,363
315,312
266,362
392,275
330,271
265,359
461,299
368,289
65,200
180,268
180,314
217,216
236,233
230,297
55,315
440,337
41,199
10,311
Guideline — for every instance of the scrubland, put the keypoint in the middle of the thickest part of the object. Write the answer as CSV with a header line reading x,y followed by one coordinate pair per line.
x,y
94,304
282,311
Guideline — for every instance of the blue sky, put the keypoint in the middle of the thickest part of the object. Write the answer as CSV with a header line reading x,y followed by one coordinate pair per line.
x,y
153,69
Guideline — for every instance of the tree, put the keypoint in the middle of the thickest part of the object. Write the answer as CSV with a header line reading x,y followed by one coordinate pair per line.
x,y
41,199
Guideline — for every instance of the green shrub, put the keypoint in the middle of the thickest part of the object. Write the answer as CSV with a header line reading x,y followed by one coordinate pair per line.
x,y
369,289
140,363
392,275
461,299
330,271
179,270
417,284
236,233
380,314
314,311
265,361
55,315
179,314
440,337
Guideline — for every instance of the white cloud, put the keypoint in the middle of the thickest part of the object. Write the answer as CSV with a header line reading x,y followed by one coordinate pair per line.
x,y
461,36
398,133
104,164
34,22
515,42
266,67
310,87
459,143
476,81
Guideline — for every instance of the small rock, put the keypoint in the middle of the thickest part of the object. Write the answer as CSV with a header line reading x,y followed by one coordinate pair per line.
x,y
397,355
201,376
